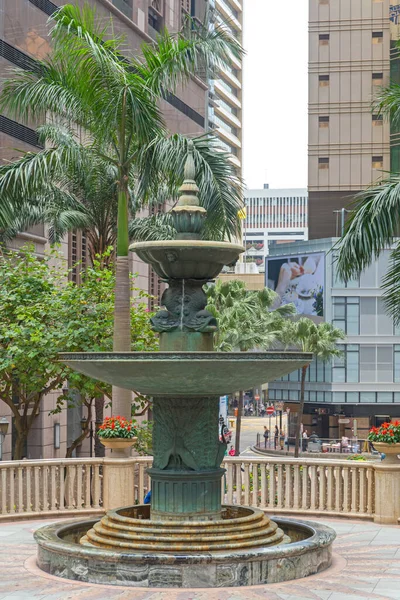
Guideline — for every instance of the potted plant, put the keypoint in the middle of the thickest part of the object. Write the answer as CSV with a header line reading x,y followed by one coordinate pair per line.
x,y
117,433
386,439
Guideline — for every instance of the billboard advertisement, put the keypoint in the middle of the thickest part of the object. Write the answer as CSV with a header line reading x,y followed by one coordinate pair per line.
x,y
298,279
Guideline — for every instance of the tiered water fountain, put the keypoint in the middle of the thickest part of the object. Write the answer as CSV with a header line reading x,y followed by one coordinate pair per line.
x,y
187,538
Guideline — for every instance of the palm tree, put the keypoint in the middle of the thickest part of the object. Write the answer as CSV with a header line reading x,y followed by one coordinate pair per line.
x,y
89,84
245,322
320,340
374,223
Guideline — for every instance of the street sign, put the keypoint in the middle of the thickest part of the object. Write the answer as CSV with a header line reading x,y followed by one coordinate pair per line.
x,y
256,398
344,421
270,410
279,406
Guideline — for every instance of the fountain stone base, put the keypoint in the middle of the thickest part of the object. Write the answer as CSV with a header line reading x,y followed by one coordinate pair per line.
x,y
246,548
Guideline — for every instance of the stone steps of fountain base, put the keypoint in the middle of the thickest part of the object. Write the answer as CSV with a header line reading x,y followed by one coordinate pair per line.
x,y
251,529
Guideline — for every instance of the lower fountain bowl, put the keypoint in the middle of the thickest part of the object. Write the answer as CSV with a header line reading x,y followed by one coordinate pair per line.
x,y
64,551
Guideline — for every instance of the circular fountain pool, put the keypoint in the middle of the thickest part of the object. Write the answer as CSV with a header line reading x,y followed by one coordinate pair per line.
x,y
126,548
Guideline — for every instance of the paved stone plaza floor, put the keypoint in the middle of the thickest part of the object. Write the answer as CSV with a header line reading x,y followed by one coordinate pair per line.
x,y
366,566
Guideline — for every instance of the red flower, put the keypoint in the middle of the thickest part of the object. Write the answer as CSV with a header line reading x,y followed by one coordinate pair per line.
x,y
112,425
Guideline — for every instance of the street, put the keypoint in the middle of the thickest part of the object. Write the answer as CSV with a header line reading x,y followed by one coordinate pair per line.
x,y
253,425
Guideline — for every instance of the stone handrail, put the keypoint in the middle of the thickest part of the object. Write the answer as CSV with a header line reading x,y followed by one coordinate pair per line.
x,y
282,485
368,490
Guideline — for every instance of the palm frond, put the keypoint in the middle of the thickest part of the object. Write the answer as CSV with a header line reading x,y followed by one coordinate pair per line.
x,y
155,227
391,285
372,226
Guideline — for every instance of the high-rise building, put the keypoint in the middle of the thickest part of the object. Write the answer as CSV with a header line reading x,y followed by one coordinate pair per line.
x,y
273,217
225,94
352,54
24,39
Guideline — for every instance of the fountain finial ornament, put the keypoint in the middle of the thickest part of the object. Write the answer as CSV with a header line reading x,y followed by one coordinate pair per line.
x,y
188,216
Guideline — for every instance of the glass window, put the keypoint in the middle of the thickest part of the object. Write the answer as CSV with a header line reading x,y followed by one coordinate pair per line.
x,y
384,397
328,396
323,80
346,314
293,395
294,376
368,316
397,363
313,396
323,122
384,364
396,396
352,397
368,363
377,37
377,162
339,397
368,397
323,163
320,396
384,322
320,371
352,365
313,371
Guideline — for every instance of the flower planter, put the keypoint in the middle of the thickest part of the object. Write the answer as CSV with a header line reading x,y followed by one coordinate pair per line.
x,y
391,451
118,443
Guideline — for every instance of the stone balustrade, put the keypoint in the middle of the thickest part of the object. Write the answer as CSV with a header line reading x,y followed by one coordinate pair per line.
x,y
367,490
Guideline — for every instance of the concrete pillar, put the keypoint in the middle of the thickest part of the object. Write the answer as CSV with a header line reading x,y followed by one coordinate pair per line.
x,y
118,483
387,493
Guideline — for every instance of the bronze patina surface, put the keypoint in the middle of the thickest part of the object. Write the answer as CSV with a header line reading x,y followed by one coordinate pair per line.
x,y
189,374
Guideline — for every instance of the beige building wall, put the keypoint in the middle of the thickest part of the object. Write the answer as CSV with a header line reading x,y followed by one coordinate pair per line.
x,y
349,146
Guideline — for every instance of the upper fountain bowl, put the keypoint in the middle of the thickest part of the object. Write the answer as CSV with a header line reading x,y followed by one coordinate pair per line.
x,y
185,373
187,259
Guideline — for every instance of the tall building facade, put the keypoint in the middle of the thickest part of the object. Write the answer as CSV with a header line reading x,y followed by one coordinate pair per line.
x,y
225,94
352,53
363,383
273,217
24,39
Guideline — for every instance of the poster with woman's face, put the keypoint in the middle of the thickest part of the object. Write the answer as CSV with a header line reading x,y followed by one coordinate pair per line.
x,y
299,280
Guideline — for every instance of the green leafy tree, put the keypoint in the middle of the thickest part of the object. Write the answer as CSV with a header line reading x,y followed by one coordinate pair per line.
x,y
321,341
90,84
245,322
42,315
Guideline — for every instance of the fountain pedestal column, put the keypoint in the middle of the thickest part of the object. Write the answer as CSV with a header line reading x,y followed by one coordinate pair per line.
x,y
186,473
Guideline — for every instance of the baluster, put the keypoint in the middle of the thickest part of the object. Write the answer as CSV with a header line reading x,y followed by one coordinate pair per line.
x,y
363,491
330,488
223,487
354,490
20,490
264,489
296,486
88,476
61,488
239,483
36,483
4,491
280,486
370,496
288,486
45,488
346,507
11,508
272,485
96,487
313,486
322,488
141,483
338,489
28,489
304,491
53,489
230,482
79,477
246,484
70,486
255,484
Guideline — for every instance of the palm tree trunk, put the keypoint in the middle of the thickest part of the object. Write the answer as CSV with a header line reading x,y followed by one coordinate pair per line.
x,y
239,424
122,399
301,410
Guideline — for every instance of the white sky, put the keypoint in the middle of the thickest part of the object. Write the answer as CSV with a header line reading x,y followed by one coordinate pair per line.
x,y
275,93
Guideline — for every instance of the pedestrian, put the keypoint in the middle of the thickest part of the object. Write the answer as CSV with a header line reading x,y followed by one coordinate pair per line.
x,y
262,409
305,440
266,436
276,436
281,439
